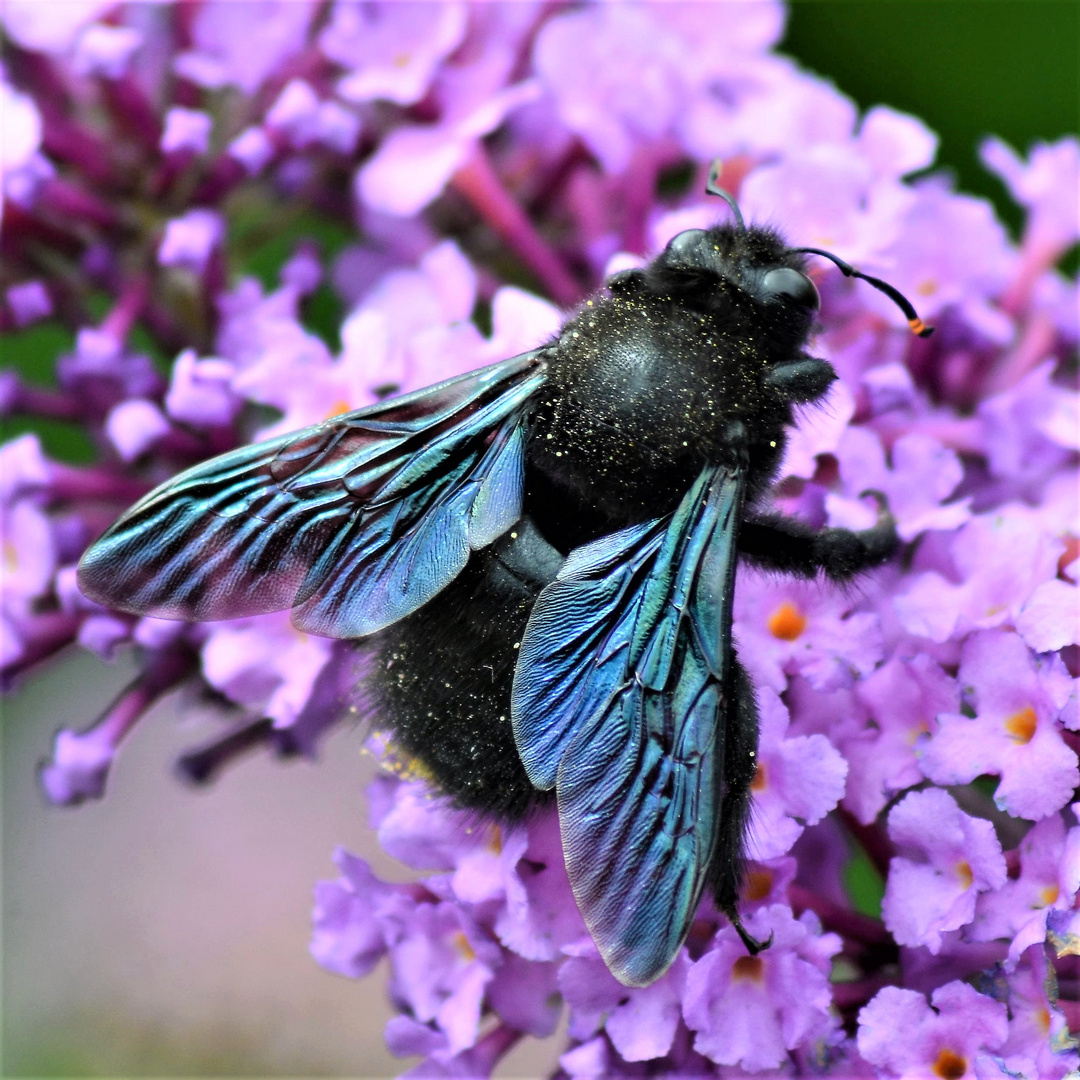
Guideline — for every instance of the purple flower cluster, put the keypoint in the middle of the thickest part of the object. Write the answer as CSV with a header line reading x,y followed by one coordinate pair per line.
x,y
922,725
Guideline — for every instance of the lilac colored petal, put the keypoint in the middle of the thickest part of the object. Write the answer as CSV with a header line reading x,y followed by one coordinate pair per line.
x,y
520,321
106,50
12,642
949,249
157,633
1046,185
923,474
23,468
641,1023
481,872
337,127
294,112
302,271
243,44
1030,426
540,918
827,196
588,1060
134,426
186,129
818,431
101,372
253,148
888,387
798,781
644,1026
1013,735
902,1034
1039,1042
20,123
903,696
785,627
406,1037
29,553
1048,881
103,634
200,391
347,934
946,859
590,990
392,49
476,1062
79,766
264,664
51,27
750,1011
190,238
414,164
441,963
525,995
1050,619
895,143
28,301
999,557
423,831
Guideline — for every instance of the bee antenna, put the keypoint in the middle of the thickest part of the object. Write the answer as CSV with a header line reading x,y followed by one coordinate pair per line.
x,y
918,327
713,188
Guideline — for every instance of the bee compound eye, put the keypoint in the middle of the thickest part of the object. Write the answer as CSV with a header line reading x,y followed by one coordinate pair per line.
x,y
682,244
791,285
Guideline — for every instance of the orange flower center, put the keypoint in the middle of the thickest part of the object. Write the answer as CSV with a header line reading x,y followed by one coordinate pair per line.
x,y
748,969
758,885
1021,726
461,943
1049,894
787,622
963,872
950,1065
758,783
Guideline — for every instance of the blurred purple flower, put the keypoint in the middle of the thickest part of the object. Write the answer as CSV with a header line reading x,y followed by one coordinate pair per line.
x,y
392,49
243,44
186,129
105,50
28,302
189,239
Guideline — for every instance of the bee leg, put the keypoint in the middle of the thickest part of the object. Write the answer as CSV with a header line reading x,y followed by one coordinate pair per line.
x,y
740,726
775,542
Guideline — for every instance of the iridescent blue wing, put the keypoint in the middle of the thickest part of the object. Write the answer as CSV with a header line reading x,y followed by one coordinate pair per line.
x,y
353,523
617,701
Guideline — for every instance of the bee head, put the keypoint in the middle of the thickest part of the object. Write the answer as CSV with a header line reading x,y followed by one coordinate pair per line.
x,y
759,263
756,260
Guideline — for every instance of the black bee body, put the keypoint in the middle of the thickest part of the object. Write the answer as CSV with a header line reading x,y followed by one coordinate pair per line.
x,y
541,557
666,373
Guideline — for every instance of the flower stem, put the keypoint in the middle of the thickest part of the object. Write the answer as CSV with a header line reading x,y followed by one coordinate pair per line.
x,y
478,182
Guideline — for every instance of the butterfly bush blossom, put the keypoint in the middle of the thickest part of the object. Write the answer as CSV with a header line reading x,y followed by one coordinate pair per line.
x,y
440,184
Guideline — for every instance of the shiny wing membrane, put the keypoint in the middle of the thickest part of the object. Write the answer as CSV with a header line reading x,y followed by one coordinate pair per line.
x,y
617,702
353,523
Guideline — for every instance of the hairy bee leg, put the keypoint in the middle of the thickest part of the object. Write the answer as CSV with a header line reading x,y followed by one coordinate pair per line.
x,y
775,542
740,725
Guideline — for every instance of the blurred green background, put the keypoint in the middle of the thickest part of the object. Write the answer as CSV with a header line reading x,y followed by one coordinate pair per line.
x,y
969,68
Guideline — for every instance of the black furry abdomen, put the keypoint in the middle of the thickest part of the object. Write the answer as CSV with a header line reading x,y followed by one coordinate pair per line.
x,y
442,679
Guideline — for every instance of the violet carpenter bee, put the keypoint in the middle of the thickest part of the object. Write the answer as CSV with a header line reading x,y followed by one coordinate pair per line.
x,y
542,555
